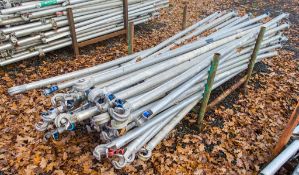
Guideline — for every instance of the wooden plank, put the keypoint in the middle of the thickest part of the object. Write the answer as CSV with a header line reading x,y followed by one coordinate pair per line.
x,y
126,14
73,32
102,38
226,93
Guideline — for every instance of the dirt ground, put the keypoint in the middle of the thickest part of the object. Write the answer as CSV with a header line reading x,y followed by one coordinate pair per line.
x,y
238,136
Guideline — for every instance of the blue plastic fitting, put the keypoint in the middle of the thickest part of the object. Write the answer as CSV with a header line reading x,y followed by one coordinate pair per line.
x,y
72,127
100,100
50,90
119,103
147,114
55,135
111,97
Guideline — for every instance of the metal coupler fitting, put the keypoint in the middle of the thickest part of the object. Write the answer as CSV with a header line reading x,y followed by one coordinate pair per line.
x,y
98,97
50,90
83,85
120,114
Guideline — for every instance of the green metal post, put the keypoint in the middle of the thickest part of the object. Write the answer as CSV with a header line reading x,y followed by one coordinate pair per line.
x,y
208,88
131,38
254,56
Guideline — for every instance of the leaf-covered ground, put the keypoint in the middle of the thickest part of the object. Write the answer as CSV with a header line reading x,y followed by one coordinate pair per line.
x,y
238,136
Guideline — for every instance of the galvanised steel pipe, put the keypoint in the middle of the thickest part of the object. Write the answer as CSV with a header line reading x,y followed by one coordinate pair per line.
x,y
20,13
281,159
45,82
123,140
100,5
268,24
83,18
193,33
178,80
50,83
174,94
137,113
61,18
234,23
127,69
96,21
106,21
222,73
225,75
200,30
146,153
116,85
246,23
89,22
137,22
210,25
154,70
121,78
203,42
54,10
157,79
30,6
181,34
173,99
225,23
153,81
89,113
155,47
65,20
296,171
135,145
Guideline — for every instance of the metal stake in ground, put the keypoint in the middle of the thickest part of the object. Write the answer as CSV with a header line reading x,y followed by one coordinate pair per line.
x,y
184,23
73,31
253,57
131,38
287,133
208,88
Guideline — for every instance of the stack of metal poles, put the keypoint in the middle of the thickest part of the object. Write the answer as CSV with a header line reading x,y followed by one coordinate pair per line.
x,y
148,93
37,27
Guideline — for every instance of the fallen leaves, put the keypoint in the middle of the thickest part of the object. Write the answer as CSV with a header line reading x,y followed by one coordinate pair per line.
x,y
43,163
238,136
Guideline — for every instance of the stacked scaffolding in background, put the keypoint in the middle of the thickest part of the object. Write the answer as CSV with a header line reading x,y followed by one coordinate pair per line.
x,y
33,28
148,93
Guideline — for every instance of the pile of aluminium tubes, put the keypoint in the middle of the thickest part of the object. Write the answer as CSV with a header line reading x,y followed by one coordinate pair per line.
x,y
33,28
146,94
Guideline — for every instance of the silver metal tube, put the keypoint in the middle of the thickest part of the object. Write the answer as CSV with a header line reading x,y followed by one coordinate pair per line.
x,y
45,82
146,153
281,159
